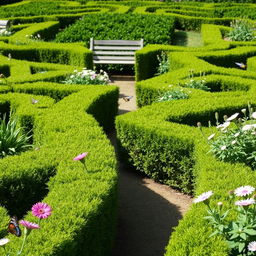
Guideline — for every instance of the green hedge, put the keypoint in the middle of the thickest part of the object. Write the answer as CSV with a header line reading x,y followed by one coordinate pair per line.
x,y
122,26
162,140
70,54
180,65
84,203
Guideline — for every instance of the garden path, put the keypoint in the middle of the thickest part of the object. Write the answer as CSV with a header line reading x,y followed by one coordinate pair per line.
x,y
187,38
147,210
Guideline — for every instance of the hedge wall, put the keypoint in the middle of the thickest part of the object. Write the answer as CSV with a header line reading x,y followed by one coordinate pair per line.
x,y
84,203
162,140
84,226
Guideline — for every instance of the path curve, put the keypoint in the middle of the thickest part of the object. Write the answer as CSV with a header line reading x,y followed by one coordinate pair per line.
x,y
147,210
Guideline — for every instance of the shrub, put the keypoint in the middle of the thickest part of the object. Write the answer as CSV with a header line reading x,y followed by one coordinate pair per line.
x,y
196,84
62,132
153,29
239,232
164,63
4,32
236,145
241,31
87,76
175,94
12,141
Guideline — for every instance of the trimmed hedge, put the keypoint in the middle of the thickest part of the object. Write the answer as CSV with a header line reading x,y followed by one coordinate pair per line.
x,y
163,141
83,218
180,65
119,26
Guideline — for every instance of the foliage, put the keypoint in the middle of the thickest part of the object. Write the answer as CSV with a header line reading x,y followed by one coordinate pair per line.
x,y
241,31
196,84
176,94
30,9
87,76
62,132
153,29
239,233
12,139
164,64
237,144
4,32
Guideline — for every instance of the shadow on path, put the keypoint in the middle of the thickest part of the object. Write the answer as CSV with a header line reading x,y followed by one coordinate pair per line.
x,y
145,218
147,210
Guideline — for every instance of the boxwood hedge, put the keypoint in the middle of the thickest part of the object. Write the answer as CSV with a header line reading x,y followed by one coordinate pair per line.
x,y
160,139
83,218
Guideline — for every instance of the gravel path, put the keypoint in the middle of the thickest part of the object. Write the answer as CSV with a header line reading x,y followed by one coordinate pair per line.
x,y
147,210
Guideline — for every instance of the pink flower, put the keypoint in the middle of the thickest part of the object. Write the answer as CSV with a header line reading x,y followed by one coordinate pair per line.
x,y
80,157
245,202
252,246
29,225
244,191
41,210
203,197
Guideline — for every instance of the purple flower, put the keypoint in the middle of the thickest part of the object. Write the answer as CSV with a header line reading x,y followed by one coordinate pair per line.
x,y
41,210
244,191
29,225
245,202
203,197
252,246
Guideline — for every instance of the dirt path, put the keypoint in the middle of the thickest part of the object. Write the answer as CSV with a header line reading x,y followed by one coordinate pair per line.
x,y
147,210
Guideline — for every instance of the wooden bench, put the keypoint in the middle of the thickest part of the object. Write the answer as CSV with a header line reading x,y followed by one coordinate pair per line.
x,y
114,51
5,24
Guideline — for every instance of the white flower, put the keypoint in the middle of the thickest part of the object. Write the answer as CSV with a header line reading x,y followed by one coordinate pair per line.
x,y
245,202
223,147
203,197
244,190
211,136
231,118
237,134
254,115
248,127
252,246
223,126
233,142
4,241
243,110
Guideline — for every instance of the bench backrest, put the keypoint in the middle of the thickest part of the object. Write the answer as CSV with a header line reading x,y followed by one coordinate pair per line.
x,y
5,24
114,51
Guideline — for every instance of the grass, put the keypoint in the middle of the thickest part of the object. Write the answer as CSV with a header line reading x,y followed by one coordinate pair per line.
x,y
187,38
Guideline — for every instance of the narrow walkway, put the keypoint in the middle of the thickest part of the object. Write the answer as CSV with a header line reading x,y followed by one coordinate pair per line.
x,y
147,210
187,38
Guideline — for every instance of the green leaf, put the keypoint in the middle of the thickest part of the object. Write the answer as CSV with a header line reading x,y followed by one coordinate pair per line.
x,y
241,247
250,232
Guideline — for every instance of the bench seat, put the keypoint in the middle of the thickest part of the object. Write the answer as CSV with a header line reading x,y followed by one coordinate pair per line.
x,y
115,51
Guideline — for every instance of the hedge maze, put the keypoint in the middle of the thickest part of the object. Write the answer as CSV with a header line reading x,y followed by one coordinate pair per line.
x,y
160,139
